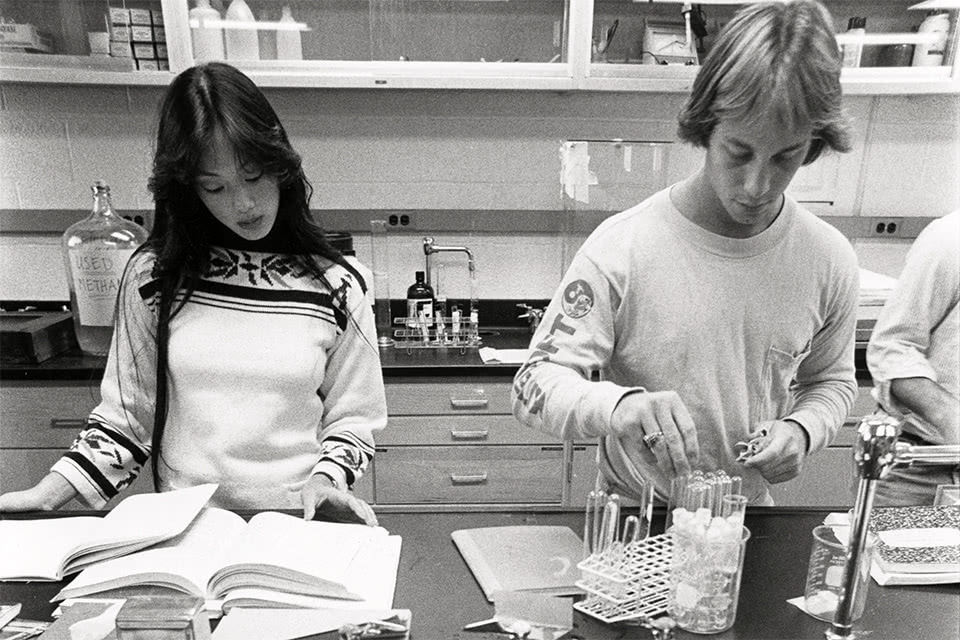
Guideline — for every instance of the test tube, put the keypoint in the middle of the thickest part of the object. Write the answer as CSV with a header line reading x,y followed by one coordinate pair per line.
x,y
734,509
645,516
588,518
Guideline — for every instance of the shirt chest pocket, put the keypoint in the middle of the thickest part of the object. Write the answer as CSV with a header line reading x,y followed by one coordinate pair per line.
x,y
775,399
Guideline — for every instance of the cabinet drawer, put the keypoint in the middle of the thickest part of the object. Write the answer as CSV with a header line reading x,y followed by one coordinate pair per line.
x,y
463,430
430,397
42,416
23,468
469,474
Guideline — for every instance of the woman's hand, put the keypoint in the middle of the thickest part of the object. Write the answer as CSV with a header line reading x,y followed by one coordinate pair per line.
x,y
319,494
51,493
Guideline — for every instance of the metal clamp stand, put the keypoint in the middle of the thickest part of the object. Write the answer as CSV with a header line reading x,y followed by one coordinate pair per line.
x,y
876,451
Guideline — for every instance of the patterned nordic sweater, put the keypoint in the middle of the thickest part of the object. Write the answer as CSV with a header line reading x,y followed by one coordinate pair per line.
x,y
273,375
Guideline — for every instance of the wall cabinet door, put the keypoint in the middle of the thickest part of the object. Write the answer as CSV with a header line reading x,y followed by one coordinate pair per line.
x,y
610,45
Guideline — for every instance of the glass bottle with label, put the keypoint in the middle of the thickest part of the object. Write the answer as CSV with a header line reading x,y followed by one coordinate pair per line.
x,y
419,300
95,252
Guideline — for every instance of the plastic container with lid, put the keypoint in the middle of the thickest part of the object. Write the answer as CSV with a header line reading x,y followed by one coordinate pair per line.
x,y
930,54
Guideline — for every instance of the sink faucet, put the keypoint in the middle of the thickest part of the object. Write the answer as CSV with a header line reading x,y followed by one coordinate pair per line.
x,y
532,314
876,451
429,248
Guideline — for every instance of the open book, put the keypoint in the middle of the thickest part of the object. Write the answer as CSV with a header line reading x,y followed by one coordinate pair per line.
x,y
918,540
273,560
51,548
534,558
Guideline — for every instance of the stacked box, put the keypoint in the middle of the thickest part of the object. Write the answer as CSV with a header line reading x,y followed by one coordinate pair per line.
x,y
119,29
139,33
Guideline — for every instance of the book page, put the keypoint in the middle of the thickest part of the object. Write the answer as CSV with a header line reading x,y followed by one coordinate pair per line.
x,y
42,546
184,563
298,551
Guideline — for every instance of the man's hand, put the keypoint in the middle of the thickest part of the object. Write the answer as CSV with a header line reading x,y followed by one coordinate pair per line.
x,y
648,414
319,494
52,492
781,457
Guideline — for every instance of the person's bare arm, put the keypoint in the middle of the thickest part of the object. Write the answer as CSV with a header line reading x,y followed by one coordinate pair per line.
x,y
931,402
52,492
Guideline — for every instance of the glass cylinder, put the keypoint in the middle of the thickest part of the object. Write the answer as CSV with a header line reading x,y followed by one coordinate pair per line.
x,y
733,509
380,262
705,577
95,252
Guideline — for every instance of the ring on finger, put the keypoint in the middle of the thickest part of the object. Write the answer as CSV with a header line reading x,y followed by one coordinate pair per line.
x,y
651,439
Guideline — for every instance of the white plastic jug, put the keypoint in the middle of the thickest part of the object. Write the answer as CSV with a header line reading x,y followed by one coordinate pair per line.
x,y
207,38
242,44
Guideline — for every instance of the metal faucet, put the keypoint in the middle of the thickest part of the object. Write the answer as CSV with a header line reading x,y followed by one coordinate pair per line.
x,y
429,248
876,451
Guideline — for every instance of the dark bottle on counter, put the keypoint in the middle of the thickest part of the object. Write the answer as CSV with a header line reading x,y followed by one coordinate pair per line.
x,y
95,252
419,299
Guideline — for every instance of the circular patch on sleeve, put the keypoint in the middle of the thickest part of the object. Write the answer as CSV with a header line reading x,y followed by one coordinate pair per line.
x,y
577,299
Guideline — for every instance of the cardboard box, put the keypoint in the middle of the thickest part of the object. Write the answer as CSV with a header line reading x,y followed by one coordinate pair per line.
x,y
144,51
156,16
163,65
119,15
141,17
35,336
120,49
161,50
24,37
147,65
140,33
159,34
120,33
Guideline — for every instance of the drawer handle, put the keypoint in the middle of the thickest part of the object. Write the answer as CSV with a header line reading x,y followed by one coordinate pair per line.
x,y
469,403
74,424
475,478
476,434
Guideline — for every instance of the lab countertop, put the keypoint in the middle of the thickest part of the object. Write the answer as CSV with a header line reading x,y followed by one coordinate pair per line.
x,y
396,361
437,586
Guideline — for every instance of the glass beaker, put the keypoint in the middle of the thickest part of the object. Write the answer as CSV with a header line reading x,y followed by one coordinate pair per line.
x,y
705,578
825,573
380,261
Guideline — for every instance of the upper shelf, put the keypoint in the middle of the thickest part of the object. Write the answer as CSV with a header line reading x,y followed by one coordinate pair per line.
x,y
555,45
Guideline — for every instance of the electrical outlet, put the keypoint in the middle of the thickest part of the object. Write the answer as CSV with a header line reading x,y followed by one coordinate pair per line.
x,y
886,227
400,220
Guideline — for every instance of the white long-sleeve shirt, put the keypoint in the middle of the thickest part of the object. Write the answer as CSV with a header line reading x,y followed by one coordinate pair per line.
x,y
744,330
273,376
917,332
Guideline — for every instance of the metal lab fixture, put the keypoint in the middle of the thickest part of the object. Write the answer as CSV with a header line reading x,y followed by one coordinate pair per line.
x,y
429,248
875,452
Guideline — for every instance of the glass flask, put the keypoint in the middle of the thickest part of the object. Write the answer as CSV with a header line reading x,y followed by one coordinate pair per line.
x,y
95,252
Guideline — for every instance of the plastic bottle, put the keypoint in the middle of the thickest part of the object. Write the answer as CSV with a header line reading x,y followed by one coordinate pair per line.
x,y
289,45
857,26
207,39
95,252
242,44
419,299
930,54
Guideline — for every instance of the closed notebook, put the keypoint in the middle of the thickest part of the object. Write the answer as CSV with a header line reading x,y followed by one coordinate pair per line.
x,y
535,558
919,540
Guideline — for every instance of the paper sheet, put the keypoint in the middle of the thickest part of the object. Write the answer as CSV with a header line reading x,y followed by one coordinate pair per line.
x,y
504,356
286,624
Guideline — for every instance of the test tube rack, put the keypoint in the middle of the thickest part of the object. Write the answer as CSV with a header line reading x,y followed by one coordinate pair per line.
x,y
627,583
409,334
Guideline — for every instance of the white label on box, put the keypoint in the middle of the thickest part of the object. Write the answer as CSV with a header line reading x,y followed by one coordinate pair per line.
x,y
142,51
140,16
119,15
141,34
96,281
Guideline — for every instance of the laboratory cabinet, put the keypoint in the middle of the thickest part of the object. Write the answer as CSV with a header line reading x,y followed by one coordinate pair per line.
x,y
558,45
